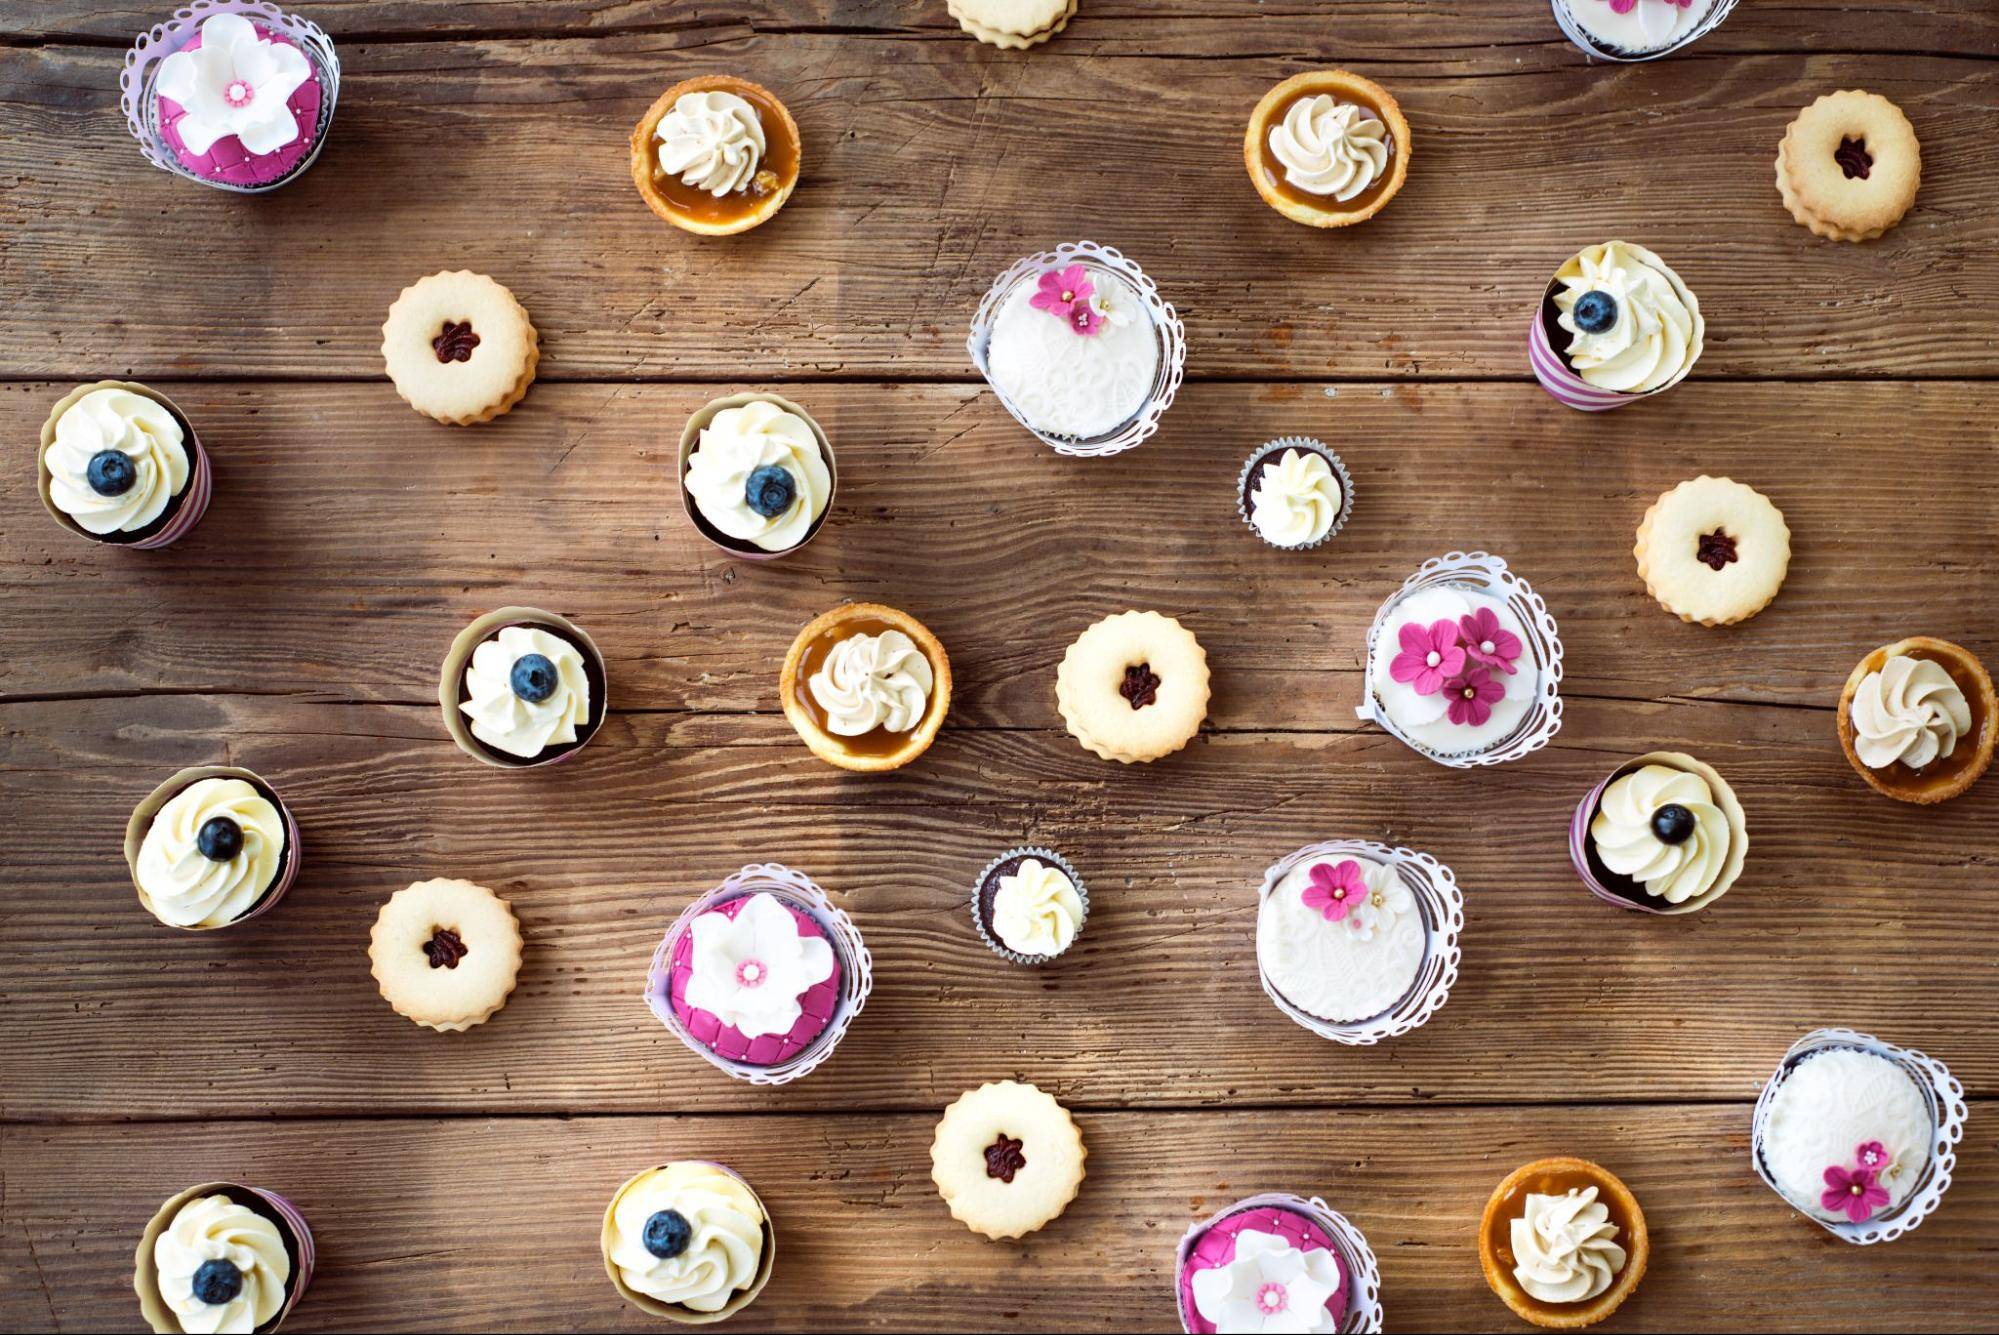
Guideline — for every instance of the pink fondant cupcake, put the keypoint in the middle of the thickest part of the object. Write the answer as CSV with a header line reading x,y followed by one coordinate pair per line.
x,y
1276,1258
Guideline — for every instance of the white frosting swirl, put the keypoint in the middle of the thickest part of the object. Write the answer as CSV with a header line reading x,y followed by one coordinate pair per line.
x,y
1657,334
738,441
1911,711
1037,909
216,1228
116,419
712,141
873,681
185,887
1330,147
507,723
1624,839
725,1243
1565,1248
1296,499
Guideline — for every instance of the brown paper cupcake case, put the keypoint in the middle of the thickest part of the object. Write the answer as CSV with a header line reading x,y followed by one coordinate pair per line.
x,y
142,820
674,1311
193,498
690,436
298,1239
460,654
1724,797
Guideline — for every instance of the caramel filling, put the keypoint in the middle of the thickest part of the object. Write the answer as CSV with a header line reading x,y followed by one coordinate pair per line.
x,y
1273,169
1965,754
778,168
1499,1229
875,741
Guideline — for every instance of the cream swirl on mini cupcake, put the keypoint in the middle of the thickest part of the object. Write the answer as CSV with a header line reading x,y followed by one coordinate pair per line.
x,y
218,1229
1909,710
712,141
1565,1248
138,427
735,445
501,718
873,681
1296,499
1037,909
1627,838
185,886
707,1252
1330,147
1653,335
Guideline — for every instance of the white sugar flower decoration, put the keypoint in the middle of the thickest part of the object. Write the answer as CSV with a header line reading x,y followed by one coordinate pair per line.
x,y
1388,900
750,971
236,83
1270,1288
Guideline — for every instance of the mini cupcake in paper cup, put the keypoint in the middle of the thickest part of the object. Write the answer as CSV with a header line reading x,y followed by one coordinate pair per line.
x,y
222,1256
689,1241
1276,1253
1294,493
1078,345
1858,1135
1631,30
1464,663
1358,941
1661,834
120,464
1615,325
1029,905
522,687
235,94
761,976
211,847
756,475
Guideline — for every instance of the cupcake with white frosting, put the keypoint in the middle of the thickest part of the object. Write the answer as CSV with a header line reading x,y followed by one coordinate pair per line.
x,y
1029,905
1294,493
1637,29
1663,834
688,1241
210,847
222,1259
120,464
756,474
1615,325
522,687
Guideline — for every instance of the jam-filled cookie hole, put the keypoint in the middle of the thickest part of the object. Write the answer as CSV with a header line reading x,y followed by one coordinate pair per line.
x,y
1140,686
1853,158
1715,550
444,949
1004,1158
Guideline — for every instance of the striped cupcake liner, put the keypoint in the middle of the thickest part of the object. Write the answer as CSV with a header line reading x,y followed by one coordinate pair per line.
x,y
1589,46
1046,855
1311,446
1724,797
303,1252
687,1316
1363,1271
1551,368
142,821
194,497
690,436
462,648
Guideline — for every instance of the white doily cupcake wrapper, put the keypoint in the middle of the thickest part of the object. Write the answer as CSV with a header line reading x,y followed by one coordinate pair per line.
x,y
1440,902
142,67
1589,46
1542,646
856,969
1306,443
1363,1271
1046,855
1166,323
1940,1090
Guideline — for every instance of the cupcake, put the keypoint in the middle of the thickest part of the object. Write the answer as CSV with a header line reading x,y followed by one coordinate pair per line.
x,y
1614,326
238,101
866,687
756,475
1276,1262
522,687
1080,349
120,464
1327,148
688,1241
1464,664
222,1257
1563,1243
1294,493
1918,719
1662,833
1637,29
211,846
1029,905
1857,1134
1357,941
716,155
761,976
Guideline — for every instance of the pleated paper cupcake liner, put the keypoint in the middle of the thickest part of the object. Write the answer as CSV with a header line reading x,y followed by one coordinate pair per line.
x,y
1045,855
1308,444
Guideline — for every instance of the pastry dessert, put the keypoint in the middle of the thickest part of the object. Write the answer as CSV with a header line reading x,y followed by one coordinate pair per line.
x,y
1638,29
1341,937
866,686
688,1241
119,464
1918,719
1007,1159
716,155
755,979
1849,166
1713,550
222,1258
1294,493
1013,25
1563,1243
1845,1135
522,687
1615,325
211,846
1133,687
1662,833
1327,148
459,348
756,474
241,104
445,953
1029,905
1453,670
1263,1265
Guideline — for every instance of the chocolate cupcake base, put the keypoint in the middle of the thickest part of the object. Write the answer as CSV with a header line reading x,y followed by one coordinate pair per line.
x,y
986,889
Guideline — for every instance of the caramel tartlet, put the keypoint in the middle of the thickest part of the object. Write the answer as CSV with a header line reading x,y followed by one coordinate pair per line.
x,y
866,686
1332,164
1947,773
1557,1178
768,178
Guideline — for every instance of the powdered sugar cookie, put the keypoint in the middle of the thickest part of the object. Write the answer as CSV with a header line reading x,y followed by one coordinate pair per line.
x,y
1713,550
445,953
1007,1158
1849,166
459,347
1134,687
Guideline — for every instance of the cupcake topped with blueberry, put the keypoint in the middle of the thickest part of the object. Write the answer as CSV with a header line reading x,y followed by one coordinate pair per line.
x,y
210,847
221,1259
120,465
1622,320
522,687
1664,832
756,474
689,1241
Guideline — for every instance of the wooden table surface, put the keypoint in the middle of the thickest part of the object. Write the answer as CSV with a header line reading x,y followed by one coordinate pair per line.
x,y
455,1181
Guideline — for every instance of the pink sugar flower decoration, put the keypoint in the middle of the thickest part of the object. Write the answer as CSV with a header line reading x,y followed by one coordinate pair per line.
x,y
1472,697
1062,291
1336,889
1489,643
1431,655
1872,1154
1085,320
1857,1193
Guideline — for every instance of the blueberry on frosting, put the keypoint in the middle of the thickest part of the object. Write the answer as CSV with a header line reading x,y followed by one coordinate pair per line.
x,y
533,678
217,1281
1595,312
667,1234
1672,824
219,839
110,473
769,491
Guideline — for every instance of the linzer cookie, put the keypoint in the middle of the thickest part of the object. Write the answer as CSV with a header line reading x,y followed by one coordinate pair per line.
x,y
1007,1159
1013,25
1713,550
459,348
445,953
1849,166
1133,687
